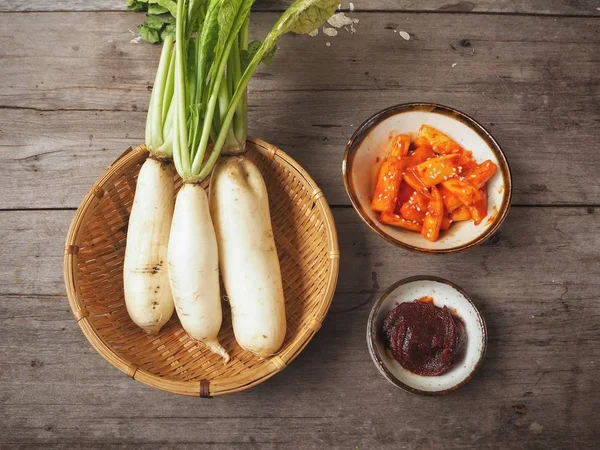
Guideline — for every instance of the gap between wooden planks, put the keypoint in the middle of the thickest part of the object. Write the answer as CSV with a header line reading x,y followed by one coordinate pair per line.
x,y
550,7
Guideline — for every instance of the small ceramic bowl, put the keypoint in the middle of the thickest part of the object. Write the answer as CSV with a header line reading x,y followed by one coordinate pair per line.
x,y
444,293
369,146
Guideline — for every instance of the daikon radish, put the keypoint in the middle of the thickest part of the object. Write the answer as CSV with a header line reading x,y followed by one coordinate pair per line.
x,y
146,283
145,280
193,254
247,255
194,268
212,69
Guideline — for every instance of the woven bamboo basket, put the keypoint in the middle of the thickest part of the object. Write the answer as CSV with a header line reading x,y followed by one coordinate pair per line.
x,y
93,268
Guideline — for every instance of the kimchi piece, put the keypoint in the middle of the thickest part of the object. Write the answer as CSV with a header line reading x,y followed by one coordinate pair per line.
x,y
427,185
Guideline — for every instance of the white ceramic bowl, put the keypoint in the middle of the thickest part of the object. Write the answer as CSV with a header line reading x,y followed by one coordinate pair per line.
x,y
444,293
369,146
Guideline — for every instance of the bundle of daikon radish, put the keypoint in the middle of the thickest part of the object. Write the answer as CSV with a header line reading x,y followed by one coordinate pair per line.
x,y
197,112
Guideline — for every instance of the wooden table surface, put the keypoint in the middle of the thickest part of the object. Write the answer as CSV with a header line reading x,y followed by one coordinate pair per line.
x,y
73,94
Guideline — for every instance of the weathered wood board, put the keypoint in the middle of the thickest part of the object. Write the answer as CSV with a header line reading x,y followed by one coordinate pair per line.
x,y
73,95
87,60
80,103
538,387
552,7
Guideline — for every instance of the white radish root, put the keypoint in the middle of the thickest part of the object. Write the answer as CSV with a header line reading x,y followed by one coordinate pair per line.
x,y
194,268
146,284
247,255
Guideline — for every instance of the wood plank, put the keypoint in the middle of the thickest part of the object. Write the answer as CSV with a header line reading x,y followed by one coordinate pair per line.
x,y
511,75
554,7
92,64
50,159
536,389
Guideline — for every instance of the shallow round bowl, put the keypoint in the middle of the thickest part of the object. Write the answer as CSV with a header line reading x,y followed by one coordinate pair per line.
x,y
444,293
369,146
308,252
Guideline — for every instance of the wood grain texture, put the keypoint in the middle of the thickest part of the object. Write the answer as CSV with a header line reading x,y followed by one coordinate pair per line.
x,y
553,7
538,387
87,61
75,147
68,109
73,95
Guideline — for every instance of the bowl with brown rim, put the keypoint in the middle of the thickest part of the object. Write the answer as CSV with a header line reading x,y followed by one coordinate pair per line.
x,y
368,147
444,294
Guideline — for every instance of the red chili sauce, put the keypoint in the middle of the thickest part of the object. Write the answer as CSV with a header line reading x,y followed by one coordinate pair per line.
x,y
425,339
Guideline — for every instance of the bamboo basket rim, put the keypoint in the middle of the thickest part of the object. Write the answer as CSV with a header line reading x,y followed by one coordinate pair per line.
x,y
217,387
